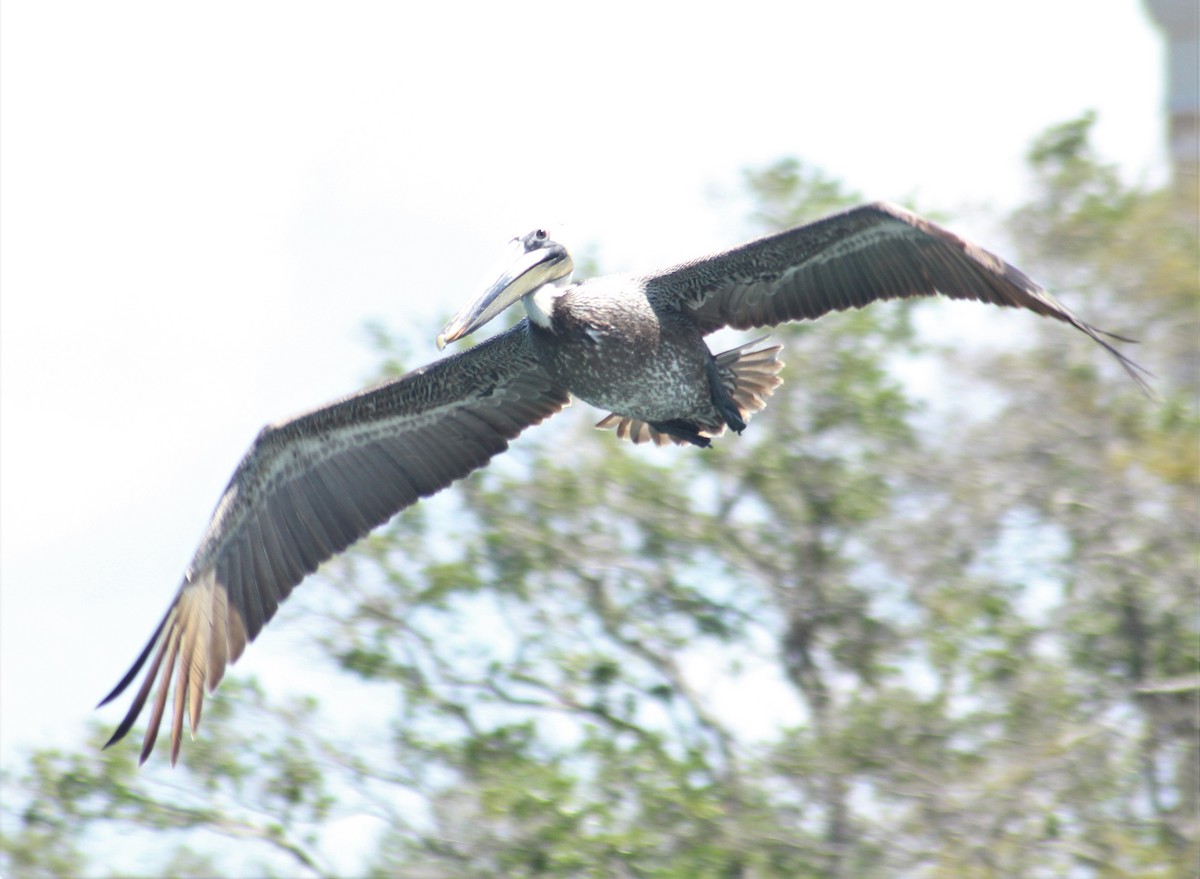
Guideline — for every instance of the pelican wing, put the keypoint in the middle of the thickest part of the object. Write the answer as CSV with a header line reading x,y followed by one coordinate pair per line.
x,y
310,486
848,260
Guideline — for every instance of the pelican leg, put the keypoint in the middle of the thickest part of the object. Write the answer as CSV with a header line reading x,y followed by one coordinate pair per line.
x,y
723,399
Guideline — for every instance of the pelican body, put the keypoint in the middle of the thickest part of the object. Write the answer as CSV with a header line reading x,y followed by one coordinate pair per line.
x,y
611,343
633,344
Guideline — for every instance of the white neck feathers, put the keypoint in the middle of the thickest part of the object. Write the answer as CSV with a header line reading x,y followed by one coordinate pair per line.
x,y
540,303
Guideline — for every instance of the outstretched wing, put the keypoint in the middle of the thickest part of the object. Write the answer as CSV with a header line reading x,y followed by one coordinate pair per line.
x,y
310,486
848,260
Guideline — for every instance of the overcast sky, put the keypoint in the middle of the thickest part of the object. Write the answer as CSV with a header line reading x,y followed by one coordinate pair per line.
x,y
202,204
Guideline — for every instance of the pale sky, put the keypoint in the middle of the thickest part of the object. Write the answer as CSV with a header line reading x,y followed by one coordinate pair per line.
x,y
201,205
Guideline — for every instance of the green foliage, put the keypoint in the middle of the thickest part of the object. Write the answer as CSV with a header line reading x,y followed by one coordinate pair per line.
x,y
240,783
868,638
787,194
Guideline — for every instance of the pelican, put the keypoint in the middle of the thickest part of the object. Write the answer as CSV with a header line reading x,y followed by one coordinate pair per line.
x,y
632,344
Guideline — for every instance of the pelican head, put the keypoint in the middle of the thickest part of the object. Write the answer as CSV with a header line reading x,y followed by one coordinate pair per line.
x,y
539,262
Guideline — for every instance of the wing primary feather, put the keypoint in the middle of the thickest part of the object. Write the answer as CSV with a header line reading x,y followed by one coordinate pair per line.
x,y
135,668
196,650
187,643
237,637
139,700
160,699
218,652
234,587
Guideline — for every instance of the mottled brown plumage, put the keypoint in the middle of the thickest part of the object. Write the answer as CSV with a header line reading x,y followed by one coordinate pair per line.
x,y
310,486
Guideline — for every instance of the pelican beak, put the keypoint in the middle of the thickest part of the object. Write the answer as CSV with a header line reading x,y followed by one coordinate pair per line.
x,y
540,261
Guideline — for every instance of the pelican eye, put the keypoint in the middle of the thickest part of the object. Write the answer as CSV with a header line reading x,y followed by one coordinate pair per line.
x,y
536,239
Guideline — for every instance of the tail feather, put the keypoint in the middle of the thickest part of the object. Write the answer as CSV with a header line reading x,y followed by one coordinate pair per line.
x,y
751,376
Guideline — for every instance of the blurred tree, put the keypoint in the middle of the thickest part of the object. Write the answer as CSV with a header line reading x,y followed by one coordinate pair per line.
x,y
871,637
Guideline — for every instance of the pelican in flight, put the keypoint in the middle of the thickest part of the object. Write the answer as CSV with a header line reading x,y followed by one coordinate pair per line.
x,y
632,344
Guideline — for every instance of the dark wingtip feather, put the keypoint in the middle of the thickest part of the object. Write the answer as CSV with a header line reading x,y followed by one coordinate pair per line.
x,y
139,700
1136,371
1119,338
120,732
134,669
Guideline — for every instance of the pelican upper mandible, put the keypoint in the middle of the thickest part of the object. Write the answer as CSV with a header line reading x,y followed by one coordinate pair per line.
x,y
631,344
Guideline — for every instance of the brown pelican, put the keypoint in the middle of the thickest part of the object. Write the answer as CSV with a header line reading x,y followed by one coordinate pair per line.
x,y
312,485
